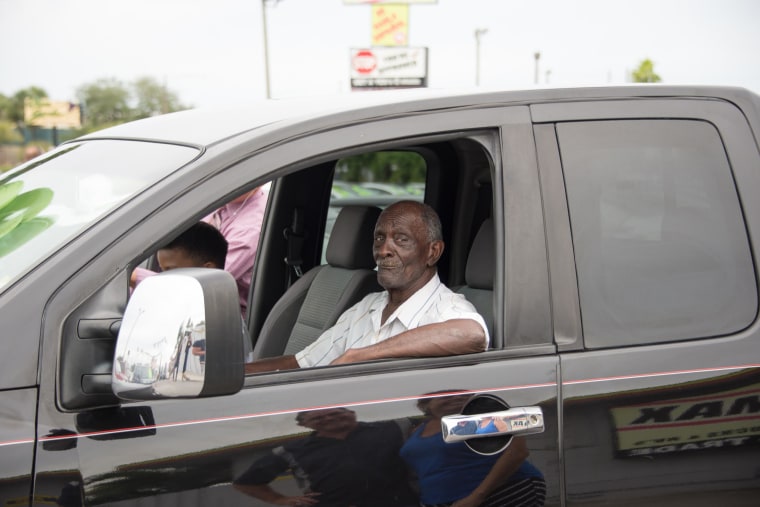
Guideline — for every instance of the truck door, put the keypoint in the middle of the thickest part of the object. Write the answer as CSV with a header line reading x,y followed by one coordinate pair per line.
x,y
200,451
658,337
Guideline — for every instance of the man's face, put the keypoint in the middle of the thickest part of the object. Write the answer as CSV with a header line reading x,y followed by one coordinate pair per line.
x,y
405,257
173,258
329,420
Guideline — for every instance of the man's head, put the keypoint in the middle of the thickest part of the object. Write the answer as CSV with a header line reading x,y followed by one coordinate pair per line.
x,y
408,243
200,246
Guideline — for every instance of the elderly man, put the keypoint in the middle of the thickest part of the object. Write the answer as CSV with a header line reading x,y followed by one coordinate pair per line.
x,y
416,315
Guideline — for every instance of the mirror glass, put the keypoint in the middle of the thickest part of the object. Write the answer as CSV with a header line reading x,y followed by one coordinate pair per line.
x,y
161,347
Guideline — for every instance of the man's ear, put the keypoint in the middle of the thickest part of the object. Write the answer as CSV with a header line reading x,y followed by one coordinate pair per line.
x,y
434,252
209,264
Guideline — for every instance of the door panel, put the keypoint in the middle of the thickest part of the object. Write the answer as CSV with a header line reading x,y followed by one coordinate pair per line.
x,y
194,449
650,423
190,451
675,425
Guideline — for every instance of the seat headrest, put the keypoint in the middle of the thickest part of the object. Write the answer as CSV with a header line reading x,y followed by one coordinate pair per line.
x,y
350,243
482,258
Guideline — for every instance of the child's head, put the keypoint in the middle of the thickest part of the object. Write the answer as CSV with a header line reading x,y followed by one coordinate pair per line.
x,y
200,246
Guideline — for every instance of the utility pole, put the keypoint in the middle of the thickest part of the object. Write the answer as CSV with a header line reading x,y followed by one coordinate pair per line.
x,y
537,56
478,33
266,45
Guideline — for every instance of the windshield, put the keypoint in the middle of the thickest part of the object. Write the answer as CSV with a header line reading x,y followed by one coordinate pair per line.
x,y
48,201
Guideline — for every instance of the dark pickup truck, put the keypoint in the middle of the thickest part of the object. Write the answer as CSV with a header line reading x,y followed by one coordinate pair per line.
x,y
607,236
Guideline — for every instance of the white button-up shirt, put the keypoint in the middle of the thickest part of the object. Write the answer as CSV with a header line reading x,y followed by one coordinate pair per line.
x,y
360,326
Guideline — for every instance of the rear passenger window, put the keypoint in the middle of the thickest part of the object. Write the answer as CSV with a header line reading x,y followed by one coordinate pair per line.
x,y
660,243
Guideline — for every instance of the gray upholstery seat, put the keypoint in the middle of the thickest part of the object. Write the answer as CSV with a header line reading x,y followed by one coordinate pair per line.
x,y
478,288
316,300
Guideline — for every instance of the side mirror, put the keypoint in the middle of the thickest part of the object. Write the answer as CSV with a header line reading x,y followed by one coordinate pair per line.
x,y
181,337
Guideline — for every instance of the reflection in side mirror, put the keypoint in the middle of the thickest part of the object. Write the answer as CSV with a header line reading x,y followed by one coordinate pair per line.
x,y
181,337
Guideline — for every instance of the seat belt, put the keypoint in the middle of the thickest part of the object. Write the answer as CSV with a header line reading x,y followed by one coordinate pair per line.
x,y
295,236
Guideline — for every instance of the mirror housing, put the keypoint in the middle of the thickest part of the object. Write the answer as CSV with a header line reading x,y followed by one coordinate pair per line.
x,y
181,337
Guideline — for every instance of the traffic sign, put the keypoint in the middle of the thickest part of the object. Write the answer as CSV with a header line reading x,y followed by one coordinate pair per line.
x,y
364,61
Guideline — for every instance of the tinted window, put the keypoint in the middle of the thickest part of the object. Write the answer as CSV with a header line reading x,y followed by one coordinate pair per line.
x,y
660,243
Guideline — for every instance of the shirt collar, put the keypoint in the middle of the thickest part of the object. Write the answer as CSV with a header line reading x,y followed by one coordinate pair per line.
x,y
409,309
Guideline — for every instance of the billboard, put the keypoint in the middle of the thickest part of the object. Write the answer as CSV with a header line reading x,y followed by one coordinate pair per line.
x,y
388,67
52,114
390,25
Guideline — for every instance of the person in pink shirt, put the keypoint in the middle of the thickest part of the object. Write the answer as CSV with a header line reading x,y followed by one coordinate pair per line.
x,y
240,222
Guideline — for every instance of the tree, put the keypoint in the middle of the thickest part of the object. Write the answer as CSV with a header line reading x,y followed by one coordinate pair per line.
x,y
104,102
8,132
153,98
12,120
107,102
12,108
645,73
5,108
387,166
33,93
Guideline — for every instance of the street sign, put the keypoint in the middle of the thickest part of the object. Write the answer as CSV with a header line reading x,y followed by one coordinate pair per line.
x,y
388,67
363,62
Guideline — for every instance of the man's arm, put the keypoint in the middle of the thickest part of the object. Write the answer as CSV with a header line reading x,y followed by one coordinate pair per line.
x,y
255,481
272,364
450,338
242,235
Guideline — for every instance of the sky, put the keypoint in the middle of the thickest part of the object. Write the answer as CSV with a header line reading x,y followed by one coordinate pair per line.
x,y
211,52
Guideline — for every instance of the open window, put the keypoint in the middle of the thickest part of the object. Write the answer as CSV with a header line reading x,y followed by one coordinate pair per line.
x,y
306,211
453,174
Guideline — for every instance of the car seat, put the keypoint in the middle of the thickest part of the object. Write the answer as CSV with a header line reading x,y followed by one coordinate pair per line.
x,y
316,300
478,288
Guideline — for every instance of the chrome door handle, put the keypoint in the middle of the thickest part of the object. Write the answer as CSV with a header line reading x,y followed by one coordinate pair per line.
x,y
514,421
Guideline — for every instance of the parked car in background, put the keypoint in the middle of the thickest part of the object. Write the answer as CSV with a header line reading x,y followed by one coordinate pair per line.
x,y
607,235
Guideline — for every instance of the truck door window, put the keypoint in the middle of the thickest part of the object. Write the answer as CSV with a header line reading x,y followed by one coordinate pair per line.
x,y
660,242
